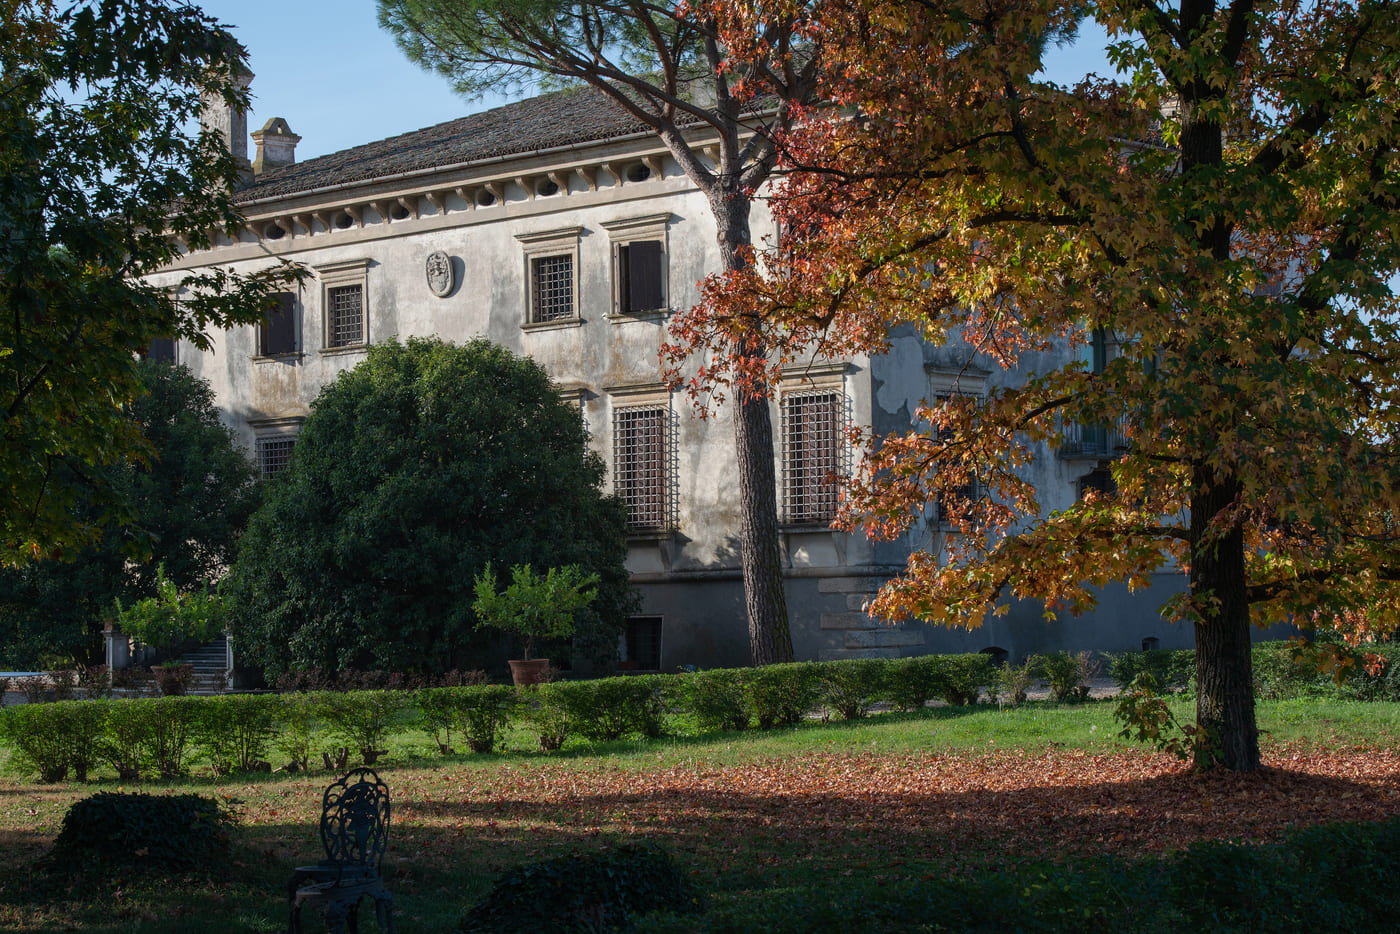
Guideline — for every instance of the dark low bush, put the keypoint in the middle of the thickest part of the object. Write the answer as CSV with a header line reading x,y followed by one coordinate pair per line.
x,y
595,892
175,833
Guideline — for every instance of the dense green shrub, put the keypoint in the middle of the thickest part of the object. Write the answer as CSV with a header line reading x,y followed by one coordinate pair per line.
x,y
595,892
40,739
962,677
363,720
123,739
1011,683
166,726
477,713
1067,673
423,465
782,695
297,731
547,709
850,686
236,731
1174,670
910,683
716,699
611,708
1376,674
109,831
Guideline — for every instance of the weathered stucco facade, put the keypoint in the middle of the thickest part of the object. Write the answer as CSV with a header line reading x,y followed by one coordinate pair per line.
x,y
571,236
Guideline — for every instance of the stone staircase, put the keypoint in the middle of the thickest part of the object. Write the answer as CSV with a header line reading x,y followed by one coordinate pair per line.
x,y
210,663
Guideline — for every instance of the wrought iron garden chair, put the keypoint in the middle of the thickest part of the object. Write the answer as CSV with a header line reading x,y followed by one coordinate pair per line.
x,y
354,832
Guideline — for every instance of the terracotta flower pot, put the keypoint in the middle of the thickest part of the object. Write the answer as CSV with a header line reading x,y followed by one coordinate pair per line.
x,y
527,672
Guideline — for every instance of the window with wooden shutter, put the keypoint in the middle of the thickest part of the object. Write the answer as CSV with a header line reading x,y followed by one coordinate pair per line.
x,y
277,334
639,276
639,265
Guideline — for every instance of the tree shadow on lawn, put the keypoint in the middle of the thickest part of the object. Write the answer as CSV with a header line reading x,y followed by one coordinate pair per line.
x,y
803,822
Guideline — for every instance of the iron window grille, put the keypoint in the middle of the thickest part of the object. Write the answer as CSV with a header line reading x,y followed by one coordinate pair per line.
x,y
346,319
811,427
641,465
274,454
552,288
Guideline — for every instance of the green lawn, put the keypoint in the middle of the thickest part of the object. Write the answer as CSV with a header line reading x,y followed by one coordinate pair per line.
x,y
757,818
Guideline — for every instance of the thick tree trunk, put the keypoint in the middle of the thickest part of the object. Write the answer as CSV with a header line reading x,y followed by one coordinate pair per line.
x,y
1224,673
765,602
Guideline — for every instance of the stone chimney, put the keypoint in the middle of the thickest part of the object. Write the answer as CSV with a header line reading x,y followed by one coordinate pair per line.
x,y
277,146
230,123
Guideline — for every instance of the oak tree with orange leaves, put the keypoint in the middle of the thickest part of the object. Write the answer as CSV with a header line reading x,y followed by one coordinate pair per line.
x,y
1226,215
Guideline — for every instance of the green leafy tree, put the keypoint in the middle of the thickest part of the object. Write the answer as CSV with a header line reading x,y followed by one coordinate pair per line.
x,y
188,500
102,181
533,606
417,470
1220,227
665,65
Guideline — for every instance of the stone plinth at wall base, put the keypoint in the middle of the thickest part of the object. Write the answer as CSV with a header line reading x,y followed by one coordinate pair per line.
x,y
866,585
845,621
883,638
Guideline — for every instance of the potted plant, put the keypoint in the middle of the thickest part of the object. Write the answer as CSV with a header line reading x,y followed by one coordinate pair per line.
x,y
168,620
534,607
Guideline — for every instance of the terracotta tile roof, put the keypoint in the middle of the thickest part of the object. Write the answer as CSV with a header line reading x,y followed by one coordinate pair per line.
x,y
562,118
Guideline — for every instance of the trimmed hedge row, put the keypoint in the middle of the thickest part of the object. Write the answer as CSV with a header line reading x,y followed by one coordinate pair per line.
x,y
245,733
1337,877
159,737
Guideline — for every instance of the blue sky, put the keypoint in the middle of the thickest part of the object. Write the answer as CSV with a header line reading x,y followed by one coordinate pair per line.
x,y
339,80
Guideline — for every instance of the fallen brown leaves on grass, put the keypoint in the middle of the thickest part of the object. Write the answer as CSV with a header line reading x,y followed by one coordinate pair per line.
x,y
844,813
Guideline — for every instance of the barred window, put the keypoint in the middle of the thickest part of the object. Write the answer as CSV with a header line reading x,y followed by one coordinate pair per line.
x,y
273,455
640,465
551,288
345,318
811,425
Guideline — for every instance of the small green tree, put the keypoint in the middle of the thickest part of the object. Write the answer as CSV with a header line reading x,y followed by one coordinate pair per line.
x,y
534,607
416,470
172,616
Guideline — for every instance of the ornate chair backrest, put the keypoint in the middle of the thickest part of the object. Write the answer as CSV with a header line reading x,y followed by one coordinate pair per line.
x,y
355,820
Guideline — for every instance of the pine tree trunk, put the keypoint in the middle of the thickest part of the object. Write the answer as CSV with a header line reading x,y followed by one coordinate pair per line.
x,y
1229,736
765,602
